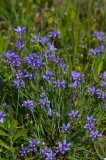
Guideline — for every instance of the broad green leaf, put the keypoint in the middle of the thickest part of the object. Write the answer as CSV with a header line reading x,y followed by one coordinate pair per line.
x,y
3,144
2,133
2,125
13,125
20,134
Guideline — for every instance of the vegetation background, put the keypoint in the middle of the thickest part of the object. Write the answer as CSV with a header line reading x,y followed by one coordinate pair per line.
x,y
76,20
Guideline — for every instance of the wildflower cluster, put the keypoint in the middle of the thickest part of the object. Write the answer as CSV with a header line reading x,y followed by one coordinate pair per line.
x,y
13,59
43,102
101,48
33,61
32,147
46,153
41,80
19,43
94,135
96,92
77,78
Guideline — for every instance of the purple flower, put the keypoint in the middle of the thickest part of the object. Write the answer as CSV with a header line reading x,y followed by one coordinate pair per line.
x,y
51,47
63,147
97,33
50,112
104,106
90,120
13,59
33,145
89,127
44,102
93,91
28,104
102,96
33,61
18,83
48,76
101,38
55,34
44,151
95,136
94,52
74,75
66,145
57,60
63,66
60,148
65,128
24,151
20,30
59,84
75,85
103,76
51,156
18,74
101,48
30,75
19,44
32,57
73,114
2,115
77,76
103,84
35,40
44,40
47,55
